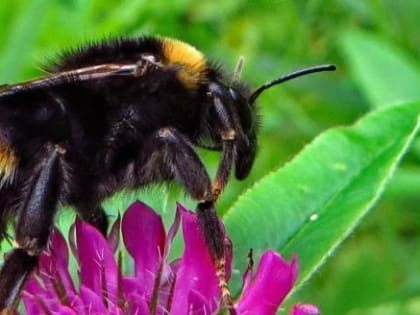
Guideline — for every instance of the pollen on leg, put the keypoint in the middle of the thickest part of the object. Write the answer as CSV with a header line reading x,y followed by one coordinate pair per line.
x,y
223,285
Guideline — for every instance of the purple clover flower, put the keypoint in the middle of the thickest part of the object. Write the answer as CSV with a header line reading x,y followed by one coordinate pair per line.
x,y
186,286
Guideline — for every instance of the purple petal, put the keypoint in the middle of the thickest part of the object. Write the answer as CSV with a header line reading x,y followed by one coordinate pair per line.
x,y
92,301
33,287
114,235
134,296
305,309
138,307
54,287
196,271
166,289
76,303
144,238
168,274
114,309
41,294
32,306
130,287
167,280
272,282
175,265
57,245
198,305
52,270
64,310
53,266
98,268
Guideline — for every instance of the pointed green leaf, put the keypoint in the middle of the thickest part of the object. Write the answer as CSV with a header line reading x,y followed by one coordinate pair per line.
x,y
386,74
312,204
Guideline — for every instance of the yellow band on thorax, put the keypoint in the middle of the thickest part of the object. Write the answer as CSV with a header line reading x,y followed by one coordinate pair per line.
x,y
192,63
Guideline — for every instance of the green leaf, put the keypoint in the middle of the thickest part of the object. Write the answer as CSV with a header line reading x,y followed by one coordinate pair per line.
x,y
313,203
386,74
410,307
21,40
406,183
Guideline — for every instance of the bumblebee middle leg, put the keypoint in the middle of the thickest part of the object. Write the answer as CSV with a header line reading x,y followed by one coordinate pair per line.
x,y
167,155
181,161
33,227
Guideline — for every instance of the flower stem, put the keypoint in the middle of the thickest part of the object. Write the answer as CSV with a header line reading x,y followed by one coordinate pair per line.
x,y
155,294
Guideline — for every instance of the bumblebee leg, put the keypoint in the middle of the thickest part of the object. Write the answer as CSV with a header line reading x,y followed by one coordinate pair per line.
x,y
181,160
17,266
32,231
215,239
231,138
225,166
189,169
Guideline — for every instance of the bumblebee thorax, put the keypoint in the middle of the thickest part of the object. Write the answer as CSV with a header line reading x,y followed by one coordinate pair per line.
x,y
192,63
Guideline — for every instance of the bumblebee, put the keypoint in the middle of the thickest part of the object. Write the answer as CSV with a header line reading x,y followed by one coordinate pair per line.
x,y
118,114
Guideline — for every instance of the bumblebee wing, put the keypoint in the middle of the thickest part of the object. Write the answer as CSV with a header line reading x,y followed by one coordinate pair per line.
x,y
77,75
8,159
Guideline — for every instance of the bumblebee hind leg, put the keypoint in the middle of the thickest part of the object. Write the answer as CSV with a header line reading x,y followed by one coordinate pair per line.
x,y
33,227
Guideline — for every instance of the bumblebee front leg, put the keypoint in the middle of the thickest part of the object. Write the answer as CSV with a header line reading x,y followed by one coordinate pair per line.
x,y
231,139
208,217
32,230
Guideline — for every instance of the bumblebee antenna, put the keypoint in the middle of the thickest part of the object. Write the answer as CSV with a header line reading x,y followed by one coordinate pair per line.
x,y
238,69
289,76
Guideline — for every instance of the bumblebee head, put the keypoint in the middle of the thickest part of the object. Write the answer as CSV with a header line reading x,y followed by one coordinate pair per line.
x,y
236,104
249,122
234,118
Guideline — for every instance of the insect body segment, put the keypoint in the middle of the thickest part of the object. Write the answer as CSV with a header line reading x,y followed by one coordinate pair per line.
x,y
193,67
118,114
7,164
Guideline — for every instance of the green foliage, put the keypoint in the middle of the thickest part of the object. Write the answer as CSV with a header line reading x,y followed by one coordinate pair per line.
x,y
385,73
338,176
410,307
310,205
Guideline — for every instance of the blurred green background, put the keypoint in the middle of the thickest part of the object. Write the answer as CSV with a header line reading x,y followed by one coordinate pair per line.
x,y
377,271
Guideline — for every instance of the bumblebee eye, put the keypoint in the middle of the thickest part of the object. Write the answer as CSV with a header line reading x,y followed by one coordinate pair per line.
x,y
233,94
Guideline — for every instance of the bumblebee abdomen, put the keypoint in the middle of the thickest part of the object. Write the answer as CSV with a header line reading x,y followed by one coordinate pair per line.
x,y
8,163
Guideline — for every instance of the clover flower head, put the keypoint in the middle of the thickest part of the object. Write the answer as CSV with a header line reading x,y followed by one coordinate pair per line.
x,y
186,286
